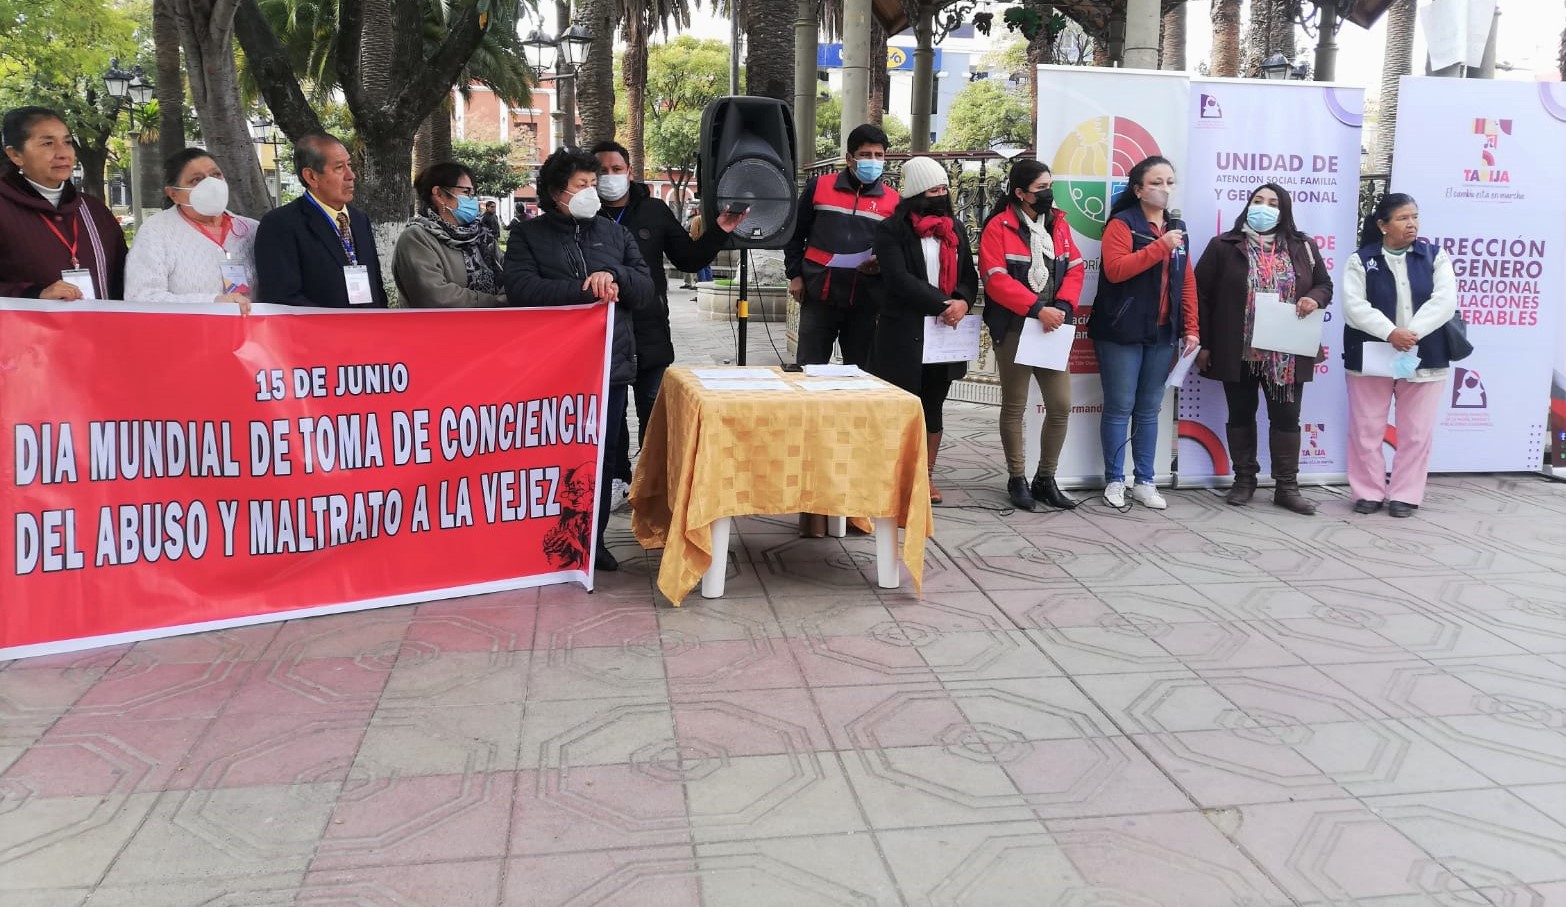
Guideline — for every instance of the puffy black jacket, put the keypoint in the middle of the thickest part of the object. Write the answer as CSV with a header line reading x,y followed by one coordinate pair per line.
x,y
659,235
549,257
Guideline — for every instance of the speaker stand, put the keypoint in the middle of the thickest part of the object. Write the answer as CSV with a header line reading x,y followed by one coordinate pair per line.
x,y
742,305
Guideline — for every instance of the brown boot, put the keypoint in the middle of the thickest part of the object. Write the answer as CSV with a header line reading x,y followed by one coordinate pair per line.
x,y
1286,473
1242,453
933,447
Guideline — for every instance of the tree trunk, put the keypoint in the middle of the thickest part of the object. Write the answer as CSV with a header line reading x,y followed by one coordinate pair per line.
x,y
423,142
171,79
1041,49
634,64
274,73
1397,61
769,46
440,131
93,159
878,77
206,30
595,85
1171,54
1270,31
1226,38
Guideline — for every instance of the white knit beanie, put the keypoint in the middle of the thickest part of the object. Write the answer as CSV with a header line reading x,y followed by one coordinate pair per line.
x,y
920,175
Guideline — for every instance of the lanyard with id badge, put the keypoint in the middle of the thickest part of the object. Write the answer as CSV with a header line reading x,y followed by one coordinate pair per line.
x,y
76,275
356,277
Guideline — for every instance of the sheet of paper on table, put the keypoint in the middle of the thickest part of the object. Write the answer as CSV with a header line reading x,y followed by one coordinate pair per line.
x,y
753,373
720,384
1182,367
1279,328
1376,359
947,343
834,371
1050,350
842,384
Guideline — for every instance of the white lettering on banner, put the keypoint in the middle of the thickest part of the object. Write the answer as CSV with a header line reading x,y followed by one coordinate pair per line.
x,y
1481,157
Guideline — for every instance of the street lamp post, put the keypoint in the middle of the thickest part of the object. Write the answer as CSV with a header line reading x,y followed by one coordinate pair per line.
x,y
130,88
562,58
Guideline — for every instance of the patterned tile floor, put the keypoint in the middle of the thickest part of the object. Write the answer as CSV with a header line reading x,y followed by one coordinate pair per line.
x,y
1208,707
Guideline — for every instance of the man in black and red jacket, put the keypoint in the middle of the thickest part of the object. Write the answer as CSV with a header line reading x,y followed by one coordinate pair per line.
x,y
831,271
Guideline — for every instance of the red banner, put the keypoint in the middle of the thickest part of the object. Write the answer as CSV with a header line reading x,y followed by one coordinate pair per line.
x,y
171,469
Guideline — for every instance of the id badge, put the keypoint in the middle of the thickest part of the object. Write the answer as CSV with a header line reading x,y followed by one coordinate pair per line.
x,y
81,279
236,277
358,279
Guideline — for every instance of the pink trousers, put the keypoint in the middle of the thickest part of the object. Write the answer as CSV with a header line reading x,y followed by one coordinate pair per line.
x,y
1369,400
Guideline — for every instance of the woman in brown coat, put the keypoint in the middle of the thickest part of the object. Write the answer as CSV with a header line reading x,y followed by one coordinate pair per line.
x,y
1264,253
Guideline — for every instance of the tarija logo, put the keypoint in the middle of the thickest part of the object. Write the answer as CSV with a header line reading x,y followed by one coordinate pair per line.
x,y
1488,172
1090,169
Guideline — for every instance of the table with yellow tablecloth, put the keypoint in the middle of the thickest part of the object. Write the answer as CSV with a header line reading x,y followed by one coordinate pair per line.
x,y
712,454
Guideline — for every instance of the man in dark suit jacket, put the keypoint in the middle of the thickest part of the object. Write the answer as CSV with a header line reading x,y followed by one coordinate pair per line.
x,y
304,256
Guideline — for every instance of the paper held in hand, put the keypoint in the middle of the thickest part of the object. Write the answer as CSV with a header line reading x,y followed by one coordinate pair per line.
x,y
1376,359
1182,367
1279,328
1042,349
948,343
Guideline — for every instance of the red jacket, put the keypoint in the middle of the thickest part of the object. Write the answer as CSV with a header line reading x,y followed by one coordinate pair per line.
x,y
837,215
1004,257
32,256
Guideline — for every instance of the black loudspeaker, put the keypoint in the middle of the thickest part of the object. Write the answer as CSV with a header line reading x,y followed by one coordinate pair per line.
x,y
747,157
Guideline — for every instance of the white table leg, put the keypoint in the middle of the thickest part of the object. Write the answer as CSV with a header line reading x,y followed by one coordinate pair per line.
x,y
886,571
712,581
837,526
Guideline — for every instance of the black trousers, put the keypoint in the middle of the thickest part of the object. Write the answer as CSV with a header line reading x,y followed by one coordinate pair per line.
x,y
852,327
613,422
1244,396
935,382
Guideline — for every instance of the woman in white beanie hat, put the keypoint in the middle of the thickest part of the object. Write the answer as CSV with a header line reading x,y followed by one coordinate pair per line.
x,y
927,271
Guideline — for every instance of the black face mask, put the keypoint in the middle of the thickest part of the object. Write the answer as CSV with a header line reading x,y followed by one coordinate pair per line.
x,y
925,205
1045,201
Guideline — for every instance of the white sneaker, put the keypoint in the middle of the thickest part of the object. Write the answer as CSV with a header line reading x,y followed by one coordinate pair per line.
x,y
1148,496
1115,494
619,494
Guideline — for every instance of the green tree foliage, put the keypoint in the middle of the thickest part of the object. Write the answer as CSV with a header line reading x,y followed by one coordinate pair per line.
x,y
984,113
829,125
494,172
683,75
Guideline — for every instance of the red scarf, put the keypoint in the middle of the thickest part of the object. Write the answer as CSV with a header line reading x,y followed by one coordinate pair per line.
x,y
940,227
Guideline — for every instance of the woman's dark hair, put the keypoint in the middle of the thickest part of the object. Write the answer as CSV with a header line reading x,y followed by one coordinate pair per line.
x,y
555,175
175,164
437,176
19,123
1386,206
1286,226
1127,197
1023,173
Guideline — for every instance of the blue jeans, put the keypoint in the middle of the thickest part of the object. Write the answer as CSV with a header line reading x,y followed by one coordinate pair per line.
x,y
1133,376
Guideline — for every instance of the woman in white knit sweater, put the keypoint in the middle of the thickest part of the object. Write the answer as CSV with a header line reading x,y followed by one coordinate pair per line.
x,y
193,251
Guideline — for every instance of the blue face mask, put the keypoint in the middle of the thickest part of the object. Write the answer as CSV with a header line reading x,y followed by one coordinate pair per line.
x,y
467,210
1262,218
868,171
1404,365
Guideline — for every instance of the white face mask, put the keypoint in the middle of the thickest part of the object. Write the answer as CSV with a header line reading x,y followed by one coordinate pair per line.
x,y
613,186
209,198
584,205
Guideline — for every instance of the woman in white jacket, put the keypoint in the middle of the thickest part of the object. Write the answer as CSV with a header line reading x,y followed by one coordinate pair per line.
x,y
1398,290
194,250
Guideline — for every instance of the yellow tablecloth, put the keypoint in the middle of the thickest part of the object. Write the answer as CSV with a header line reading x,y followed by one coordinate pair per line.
x,y
710,454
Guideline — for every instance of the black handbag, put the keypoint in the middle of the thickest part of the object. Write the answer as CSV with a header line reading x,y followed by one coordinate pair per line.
x,y
1455,332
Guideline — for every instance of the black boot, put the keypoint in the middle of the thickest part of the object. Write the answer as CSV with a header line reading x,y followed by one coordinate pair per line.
x,y
1286,473
1021,498
1044,489
1242,453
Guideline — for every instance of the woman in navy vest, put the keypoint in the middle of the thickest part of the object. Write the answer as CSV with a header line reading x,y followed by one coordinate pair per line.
x,y
1401,290
1146,302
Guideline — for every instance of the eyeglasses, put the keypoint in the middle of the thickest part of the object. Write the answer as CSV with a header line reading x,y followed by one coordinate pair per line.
x,y
459,190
